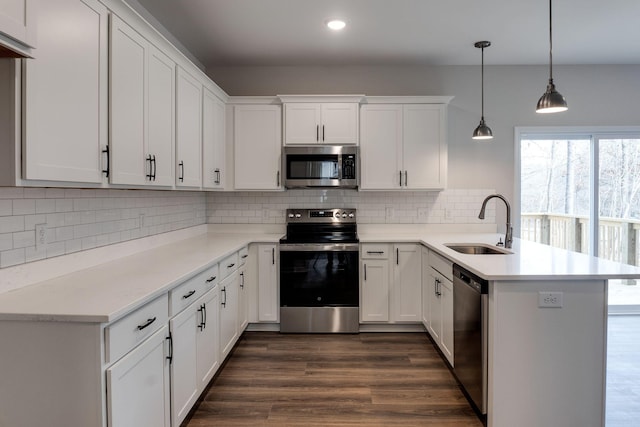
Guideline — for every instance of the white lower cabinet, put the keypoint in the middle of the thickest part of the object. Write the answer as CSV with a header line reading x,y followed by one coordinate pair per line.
x,y
391,283
374,290
228,313
267,278
208,338
438,299
138,386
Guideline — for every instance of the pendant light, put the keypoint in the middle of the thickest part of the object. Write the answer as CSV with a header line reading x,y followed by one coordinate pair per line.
x,y
552,101
482,131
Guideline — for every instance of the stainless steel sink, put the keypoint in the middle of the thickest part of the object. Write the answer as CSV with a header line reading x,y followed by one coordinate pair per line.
x,y
476,249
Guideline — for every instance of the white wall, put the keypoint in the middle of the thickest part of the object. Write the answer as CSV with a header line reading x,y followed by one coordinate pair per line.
x,y
597,95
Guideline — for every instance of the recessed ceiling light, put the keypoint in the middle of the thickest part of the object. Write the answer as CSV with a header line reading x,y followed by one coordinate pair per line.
x,y
336,24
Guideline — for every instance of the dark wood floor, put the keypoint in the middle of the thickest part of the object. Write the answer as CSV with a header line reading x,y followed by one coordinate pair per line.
x,y
369,379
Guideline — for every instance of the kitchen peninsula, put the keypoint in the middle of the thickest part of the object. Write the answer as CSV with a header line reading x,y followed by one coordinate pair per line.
x,y
546,365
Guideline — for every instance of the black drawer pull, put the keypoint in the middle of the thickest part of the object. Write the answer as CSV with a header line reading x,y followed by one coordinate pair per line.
x,y
211,279
231,265
149,322
106,171
188,294
170,356
244,256
375,252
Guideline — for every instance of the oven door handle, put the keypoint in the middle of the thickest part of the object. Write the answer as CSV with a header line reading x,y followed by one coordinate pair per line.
x,y
324,247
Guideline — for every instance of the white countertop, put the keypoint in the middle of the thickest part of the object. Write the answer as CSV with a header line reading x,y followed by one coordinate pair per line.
x,y
528,260
108,291
105,292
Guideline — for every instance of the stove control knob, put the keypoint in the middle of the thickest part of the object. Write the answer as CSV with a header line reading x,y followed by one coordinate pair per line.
x,y
337,214
344,215
298,215
290,215
352,215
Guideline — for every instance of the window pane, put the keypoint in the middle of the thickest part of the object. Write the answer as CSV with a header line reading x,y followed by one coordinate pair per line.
x,y
555,192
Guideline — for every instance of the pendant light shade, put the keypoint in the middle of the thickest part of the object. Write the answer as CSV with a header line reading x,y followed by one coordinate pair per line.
x,y
482,132
551,101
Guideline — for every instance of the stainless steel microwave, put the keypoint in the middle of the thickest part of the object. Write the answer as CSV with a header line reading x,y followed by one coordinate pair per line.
x,y
321,166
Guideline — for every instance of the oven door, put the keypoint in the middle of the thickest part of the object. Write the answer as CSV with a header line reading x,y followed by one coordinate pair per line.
x,y
319,275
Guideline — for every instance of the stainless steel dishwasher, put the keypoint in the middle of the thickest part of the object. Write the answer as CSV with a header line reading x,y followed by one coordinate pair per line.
x,y
470,324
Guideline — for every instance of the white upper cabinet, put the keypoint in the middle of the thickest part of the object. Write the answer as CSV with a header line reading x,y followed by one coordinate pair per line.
x,y
257,147
320,119
17,27
213,141
142,109
65,93
403,146
188,130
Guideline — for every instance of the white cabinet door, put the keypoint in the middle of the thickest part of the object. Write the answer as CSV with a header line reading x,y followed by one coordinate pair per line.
x,y
208,338
407,284
435,307
339,123
17,22
302,123
257,147
213,141
268,303
184,383
424,146
380,146
128,104
374,293
138,386
228,313
446,299
188,130
243,299
160,145
65,104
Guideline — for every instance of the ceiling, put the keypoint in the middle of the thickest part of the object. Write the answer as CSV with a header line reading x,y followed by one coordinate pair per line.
x,y
402,32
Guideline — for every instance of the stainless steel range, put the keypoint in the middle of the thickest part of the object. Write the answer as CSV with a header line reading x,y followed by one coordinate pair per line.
x,y
319,272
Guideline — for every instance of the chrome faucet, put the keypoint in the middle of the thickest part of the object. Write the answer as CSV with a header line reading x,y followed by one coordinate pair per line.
x,y
508,238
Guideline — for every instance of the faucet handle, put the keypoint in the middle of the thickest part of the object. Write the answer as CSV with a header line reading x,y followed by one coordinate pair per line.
x,y
500,243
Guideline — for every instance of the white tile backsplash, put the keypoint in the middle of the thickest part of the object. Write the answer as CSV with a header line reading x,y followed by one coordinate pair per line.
x,y
410,207
79,219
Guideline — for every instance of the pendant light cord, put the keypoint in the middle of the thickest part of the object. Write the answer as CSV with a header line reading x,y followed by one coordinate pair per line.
x,y
482,87
550,46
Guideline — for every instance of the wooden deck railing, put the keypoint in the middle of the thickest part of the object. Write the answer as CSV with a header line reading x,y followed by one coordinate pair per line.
x,y
617,237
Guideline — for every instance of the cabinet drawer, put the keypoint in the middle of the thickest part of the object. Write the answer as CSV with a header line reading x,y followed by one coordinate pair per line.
x,y
183,295
375,251
441,265
228,265
126,333
243,254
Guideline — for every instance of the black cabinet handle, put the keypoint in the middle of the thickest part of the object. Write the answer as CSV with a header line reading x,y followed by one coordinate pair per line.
x,y
224,303
317,132
155,167
204,307
201,311
405,179
242,281
170,356
365,272
211,279
375,252
217,180
106,171
437,288
323,132
397,256
146,324
231,265
273,256
400,178
188,294
150,174
181,177
244,256
278,179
